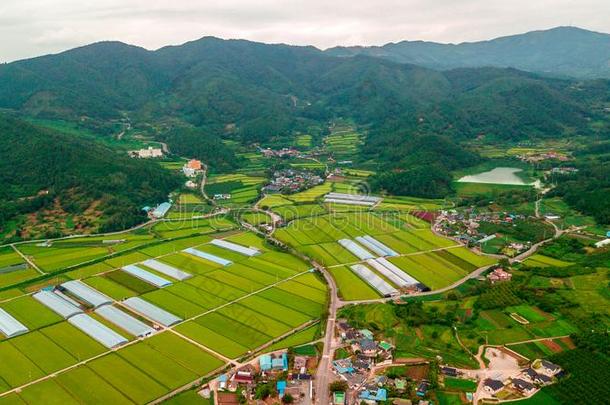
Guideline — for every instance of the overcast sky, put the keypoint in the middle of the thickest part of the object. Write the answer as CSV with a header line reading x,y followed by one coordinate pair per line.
x,y
36,27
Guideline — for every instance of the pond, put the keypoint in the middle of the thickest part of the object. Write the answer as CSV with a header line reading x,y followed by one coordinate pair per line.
x,y
499,175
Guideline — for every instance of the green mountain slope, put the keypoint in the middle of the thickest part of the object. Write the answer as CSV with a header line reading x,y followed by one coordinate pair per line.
x,y
60,177
268,90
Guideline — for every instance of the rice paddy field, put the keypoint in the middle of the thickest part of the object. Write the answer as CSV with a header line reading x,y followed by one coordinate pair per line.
x,y
60,256
432,260
344,142
303,141
226,312
244,189
13,268
188,205
538,260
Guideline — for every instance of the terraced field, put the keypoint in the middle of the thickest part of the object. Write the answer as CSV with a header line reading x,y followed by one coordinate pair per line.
x,y
244,189
225,312
344,142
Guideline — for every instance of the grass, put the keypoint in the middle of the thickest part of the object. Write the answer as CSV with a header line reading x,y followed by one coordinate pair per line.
x,y
528,312
460,384
303,141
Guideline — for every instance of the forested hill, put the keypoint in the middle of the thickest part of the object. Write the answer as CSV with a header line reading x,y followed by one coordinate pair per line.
x,y
561,51
262,90
49,173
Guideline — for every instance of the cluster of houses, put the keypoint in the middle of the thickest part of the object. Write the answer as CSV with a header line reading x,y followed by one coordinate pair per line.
x,y
281,153
539,374
464,226
287,375
291,181
364,353
146,153
537,157
564,170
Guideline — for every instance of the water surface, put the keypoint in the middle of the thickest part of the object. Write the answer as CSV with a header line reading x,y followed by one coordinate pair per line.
x,y
499,175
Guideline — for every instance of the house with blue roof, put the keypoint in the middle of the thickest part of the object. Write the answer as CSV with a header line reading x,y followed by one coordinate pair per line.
x,y
280,362
343,366
281,388
265,362
380,395
367,334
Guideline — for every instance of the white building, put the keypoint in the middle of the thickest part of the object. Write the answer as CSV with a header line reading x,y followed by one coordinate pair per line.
x,y
189,172
602,243
147,153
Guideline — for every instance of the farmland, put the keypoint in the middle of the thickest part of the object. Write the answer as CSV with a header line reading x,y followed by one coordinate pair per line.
x,y
243,189
225,312
432,260
343,142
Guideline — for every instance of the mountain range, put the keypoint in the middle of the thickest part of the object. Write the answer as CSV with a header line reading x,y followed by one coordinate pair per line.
x,y
561,51
266,90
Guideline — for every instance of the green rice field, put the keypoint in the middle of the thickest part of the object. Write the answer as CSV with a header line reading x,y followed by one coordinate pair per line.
x,y
226,311
432,260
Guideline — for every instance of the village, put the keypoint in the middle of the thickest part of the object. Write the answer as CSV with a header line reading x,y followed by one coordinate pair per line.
x,y
465,226
365,371
289,181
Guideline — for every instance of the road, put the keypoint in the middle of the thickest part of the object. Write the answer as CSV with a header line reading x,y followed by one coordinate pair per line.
x,y
324,374
28,261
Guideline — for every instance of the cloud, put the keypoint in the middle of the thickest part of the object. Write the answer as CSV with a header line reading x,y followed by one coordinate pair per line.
x,y
33,27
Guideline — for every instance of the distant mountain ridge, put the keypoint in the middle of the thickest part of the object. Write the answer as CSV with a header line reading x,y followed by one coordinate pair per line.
x,y
561,51
263,91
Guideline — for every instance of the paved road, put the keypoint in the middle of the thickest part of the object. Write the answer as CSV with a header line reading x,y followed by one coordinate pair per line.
x,y
324,374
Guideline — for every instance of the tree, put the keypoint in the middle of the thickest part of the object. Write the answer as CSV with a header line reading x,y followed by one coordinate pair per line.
x,y
338,386
287,399
263,391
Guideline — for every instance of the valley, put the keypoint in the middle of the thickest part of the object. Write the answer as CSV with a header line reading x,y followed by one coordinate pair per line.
x,y
228,222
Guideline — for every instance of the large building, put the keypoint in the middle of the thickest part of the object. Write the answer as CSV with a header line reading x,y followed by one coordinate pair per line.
x,y
161,210
147,153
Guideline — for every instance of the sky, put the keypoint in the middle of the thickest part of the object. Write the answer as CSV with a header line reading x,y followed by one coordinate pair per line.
x,y
31,28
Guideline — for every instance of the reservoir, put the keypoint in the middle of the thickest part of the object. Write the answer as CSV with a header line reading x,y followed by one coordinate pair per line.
x,y
499,175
